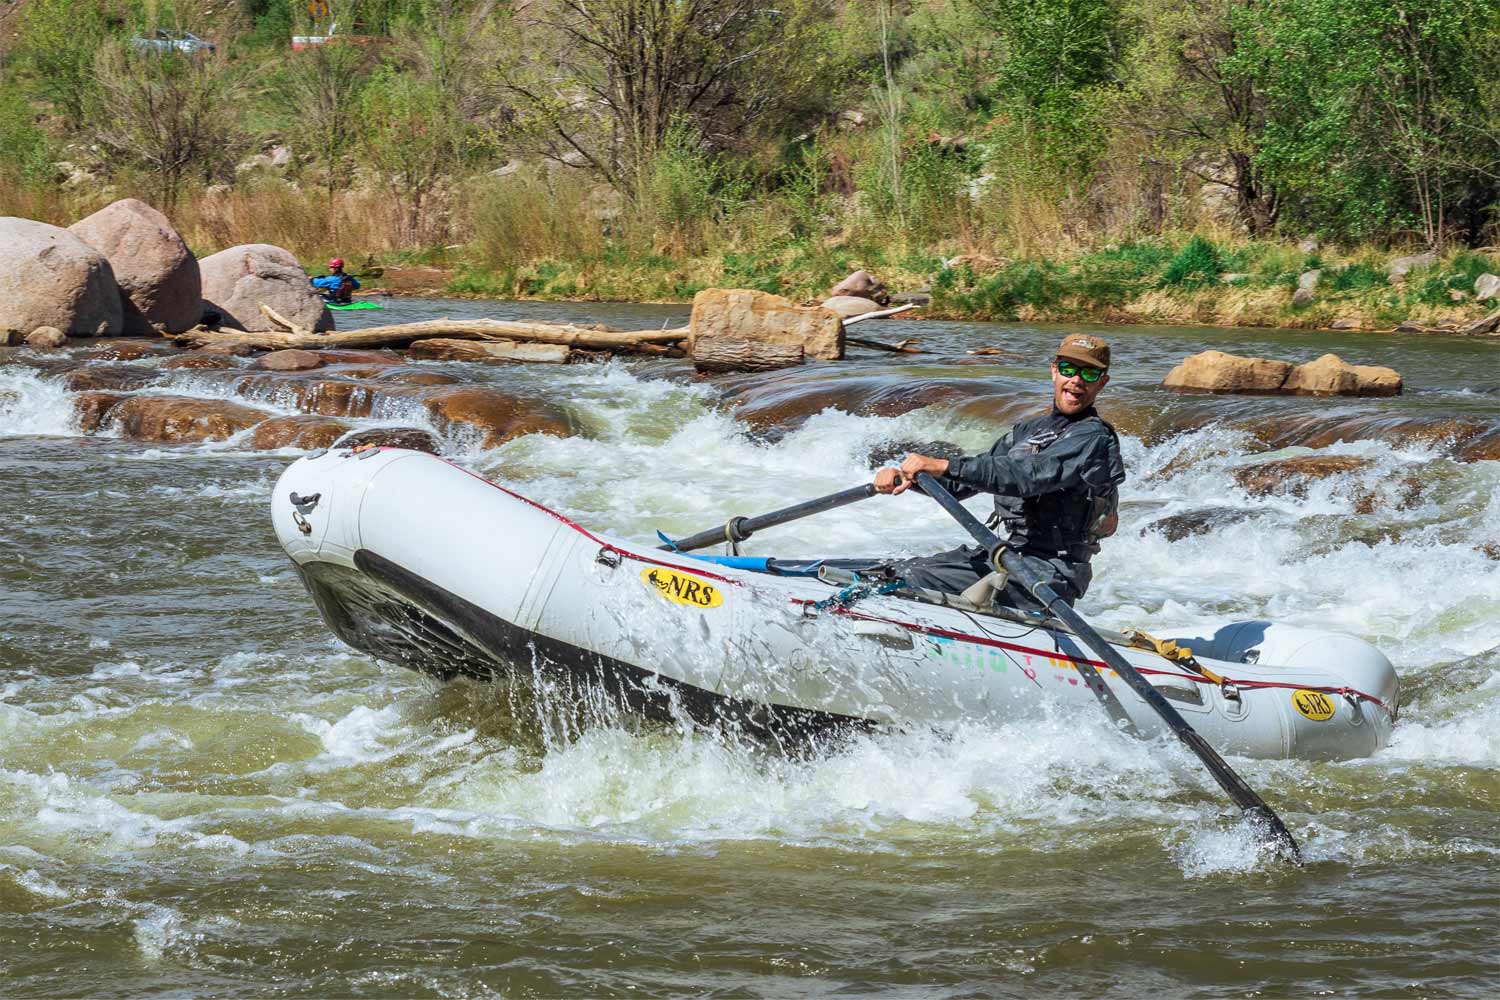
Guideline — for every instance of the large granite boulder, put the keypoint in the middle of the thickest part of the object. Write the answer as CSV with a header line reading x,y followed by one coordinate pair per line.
x,y
849,306
1215,371
160,288
864,285
238,281
763,320
1330,375
51,277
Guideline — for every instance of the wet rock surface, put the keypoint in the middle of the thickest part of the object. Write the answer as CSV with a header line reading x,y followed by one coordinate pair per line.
x,y
302,431
495,415
411,438
1292,475
180,419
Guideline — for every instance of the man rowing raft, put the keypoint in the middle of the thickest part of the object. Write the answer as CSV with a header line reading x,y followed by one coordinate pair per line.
x,y
1055,479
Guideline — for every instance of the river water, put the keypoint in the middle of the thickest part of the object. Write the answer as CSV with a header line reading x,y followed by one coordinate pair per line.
x,y
203,792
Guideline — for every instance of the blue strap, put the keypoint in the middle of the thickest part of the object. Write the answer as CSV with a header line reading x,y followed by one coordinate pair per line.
x,y
667,541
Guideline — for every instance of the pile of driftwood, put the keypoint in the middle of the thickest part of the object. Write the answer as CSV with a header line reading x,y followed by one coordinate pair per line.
x,y
731,330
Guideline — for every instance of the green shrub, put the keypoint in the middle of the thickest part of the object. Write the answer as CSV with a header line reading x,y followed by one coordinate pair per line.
x,y
1356,277
1197,265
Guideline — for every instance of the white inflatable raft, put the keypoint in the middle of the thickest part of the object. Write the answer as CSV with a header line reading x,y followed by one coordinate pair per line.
x,y
416,561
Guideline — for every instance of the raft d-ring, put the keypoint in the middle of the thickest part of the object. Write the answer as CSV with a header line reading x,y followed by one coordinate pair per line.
x,y
301,522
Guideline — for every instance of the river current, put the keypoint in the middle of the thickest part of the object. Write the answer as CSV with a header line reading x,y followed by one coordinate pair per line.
x,y
203,792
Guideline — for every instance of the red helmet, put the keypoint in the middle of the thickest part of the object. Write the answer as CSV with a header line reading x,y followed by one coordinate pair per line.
x,y
336,262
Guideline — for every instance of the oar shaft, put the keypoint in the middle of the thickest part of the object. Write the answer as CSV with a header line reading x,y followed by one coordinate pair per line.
x,y
1241,793
737,529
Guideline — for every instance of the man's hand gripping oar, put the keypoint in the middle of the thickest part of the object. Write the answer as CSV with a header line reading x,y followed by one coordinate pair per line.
x,y
1001,557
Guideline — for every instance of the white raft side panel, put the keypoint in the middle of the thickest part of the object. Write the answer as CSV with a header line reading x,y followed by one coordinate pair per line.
x,y
614,611
453,529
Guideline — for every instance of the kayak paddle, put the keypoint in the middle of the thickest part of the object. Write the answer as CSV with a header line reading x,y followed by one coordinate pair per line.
x,y
1002,557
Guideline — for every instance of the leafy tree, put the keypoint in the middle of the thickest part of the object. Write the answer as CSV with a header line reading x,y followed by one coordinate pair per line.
x,y
1374,114
1184,92
322,88
59,39
1051,54
601,82
167,113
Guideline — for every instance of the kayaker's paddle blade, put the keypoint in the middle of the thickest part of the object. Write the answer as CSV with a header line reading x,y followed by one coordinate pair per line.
x,y
737,529
1260,814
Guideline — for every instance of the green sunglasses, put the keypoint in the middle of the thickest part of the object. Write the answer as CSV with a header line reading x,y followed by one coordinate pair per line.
x,y
1067,369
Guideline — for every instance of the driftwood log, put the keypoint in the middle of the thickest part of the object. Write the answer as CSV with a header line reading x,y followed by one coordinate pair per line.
x,y
402,334
445,349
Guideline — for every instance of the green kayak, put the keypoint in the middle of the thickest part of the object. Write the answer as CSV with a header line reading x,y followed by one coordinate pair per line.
x,y
346,306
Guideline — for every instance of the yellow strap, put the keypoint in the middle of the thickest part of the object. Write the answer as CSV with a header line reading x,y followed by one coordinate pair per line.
x,y
1168,650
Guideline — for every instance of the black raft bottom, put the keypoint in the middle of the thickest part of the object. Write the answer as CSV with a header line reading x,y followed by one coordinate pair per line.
x,y
385,610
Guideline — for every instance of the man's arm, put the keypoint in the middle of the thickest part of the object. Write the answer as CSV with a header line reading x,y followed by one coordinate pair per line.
x,y
1074,460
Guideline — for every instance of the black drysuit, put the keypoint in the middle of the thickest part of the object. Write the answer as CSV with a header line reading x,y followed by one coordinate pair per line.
x,y
1056,484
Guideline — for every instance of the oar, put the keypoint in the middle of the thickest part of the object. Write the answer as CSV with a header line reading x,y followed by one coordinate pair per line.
x,y
737,529
1000,556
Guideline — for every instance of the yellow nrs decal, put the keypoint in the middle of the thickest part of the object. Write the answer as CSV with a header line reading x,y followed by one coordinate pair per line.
x,y
1314,705
681,588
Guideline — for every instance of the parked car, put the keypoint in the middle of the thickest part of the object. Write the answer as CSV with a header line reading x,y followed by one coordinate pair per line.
x,y
162,40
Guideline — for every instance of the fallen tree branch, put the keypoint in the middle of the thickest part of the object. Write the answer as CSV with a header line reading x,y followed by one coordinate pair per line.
x,y
282,321
900,347
879,313
402,334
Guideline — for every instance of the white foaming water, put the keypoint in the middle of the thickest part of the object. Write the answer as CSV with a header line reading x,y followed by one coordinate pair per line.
x,y
30,405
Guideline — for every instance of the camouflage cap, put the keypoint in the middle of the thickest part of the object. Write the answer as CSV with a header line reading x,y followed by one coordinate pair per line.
x,y
1086,349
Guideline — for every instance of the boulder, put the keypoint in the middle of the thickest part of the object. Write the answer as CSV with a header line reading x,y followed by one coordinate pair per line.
x,y
850,305
330,397
1303,297
1346,324
1330,375
1215,371
50,277
46,338
290,361
160,288
1483,325
1309,246
863,285
111,378
195,360
93,408
1308,280
494,415
1176,527
305,432
128,350
760,318
238,281
411,438
1292,475
1486,287
176,419
892,452
1397,270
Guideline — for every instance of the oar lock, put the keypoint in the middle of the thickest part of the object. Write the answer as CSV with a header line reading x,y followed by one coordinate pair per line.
x,y
301,506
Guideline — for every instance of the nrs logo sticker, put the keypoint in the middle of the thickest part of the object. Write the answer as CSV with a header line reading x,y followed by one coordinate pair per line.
x,y
683,589
1314,705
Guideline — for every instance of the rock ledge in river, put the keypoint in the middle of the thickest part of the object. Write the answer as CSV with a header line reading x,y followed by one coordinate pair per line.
x,y
1330,375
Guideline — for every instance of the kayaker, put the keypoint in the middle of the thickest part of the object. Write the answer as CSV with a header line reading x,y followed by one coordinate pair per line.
x,y
336,286
1055,478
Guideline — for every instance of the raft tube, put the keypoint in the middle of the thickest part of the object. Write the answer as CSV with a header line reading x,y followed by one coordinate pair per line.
x,y
416,561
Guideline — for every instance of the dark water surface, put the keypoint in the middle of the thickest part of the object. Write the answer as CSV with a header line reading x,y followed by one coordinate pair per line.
x,y
202,792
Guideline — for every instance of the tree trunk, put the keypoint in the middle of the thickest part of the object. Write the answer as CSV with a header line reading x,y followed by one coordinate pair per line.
x,y
402,334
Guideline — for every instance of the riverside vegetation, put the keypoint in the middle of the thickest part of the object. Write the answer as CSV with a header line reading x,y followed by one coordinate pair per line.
x,y
1117,160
